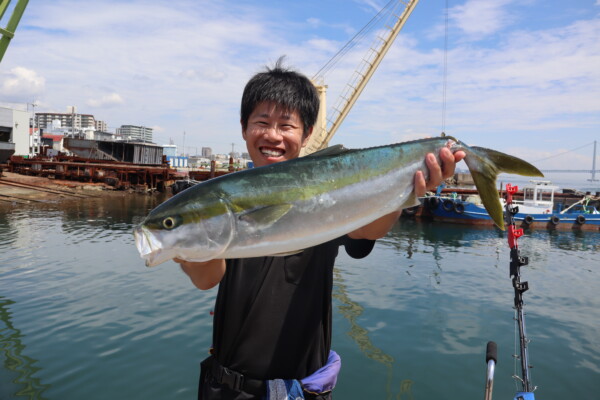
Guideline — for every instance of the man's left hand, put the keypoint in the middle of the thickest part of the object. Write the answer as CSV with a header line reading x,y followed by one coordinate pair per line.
x,y
437,172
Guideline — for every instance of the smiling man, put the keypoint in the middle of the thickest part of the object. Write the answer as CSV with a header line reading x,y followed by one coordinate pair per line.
x,y
273,315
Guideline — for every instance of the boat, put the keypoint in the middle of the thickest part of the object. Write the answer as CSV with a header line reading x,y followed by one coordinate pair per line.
x,y
537,209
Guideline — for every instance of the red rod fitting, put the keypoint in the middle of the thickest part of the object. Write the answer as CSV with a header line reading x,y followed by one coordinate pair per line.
x,y
510,190
513,235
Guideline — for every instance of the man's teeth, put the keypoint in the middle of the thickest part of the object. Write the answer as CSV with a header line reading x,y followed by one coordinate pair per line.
x,y
272,152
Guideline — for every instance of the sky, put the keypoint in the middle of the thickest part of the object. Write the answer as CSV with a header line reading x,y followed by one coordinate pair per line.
x,y
522,77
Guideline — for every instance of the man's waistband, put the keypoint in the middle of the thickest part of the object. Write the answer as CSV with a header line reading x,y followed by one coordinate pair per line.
x,y
234,380
321,381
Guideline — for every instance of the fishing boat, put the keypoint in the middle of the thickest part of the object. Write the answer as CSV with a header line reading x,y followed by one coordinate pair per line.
x,y
537,209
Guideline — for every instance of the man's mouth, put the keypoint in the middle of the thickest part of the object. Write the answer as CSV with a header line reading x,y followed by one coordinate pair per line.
x,y
271,152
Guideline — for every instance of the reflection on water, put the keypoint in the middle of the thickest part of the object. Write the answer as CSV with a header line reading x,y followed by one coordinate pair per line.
x,y
352,311
18,372
82,317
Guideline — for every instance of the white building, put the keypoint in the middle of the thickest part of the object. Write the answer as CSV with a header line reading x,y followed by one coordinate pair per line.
x,y
15,132
135,133
170,150
67,120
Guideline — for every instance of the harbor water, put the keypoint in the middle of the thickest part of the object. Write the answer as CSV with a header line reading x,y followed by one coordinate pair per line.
x,y
81,317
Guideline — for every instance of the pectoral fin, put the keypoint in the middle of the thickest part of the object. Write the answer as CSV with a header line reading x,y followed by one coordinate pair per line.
x,y
330,151
289,253
263,217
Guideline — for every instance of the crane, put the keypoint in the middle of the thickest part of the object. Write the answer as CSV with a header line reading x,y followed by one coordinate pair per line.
x,y
326,127
6,34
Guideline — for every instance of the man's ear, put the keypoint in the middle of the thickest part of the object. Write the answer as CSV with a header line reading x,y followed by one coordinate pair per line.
x,y
307,137
243,130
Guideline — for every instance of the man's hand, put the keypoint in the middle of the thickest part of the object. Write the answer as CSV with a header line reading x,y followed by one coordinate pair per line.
x,y
437,173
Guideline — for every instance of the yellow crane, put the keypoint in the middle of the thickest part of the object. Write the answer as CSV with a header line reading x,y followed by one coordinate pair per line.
x,y
327,126
6,34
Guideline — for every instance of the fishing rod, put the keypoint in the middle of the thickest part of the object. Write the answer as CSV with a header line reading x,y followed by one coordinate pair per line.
x,y
516,262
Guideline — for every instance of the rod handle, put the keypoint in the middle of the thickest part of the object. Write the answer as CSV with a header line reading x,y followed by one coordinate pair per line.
x,y
491,352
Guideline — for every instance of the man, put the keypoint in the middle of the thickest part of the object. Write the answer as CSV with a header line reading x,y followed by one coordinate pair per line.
x,y
273,314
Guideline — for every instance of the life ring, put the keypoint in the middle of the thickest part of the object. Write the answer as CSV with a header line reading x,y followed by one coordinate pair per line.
x,y
410,210
448,205
433,203
528,219
554,220
580,219
459,208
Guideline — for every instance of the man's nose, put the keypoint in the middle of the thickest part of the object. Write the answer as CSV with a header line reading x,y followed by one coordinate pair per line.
x,y
273,133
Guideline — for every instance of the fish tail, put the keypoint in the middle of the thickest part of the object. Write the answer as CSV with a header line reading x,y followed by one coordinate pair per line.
x,y
485,165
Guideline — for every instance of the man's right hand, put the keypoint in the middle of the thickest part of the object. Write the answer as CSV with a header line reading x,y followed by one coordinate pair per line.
x,y
204,275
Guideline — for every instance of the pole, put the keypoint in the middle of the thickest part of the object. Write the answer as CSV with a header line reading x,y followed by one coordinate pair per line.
x,y
491,359
516,262
37,145
593,165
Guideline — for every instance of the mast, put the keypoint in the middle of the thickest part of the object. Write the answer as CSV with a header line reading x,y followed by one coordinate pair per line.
x,y
321,133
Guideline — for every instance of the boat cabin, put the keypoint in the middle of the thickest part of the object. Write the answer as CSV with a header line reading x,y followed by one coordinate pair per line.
x,y
539,195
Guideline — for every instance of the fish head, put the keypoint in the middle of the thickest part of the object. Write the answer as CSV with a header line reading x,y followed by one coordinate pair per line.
x,y
198,230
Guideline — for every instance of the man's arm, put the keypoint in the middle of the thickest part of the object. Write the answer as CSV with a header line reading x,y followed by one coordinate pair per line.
x,y
204,275
380,227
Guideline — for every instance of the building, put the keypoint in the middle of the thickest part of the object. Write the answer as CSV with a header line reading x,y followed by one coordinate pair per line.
x,y
15,135
72,121
178,161
135,133
101,126
170,150
206,152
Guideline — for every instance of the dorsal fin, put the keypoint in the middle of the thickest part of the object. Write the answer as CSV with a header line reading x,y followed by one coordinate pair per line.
x,y
330,151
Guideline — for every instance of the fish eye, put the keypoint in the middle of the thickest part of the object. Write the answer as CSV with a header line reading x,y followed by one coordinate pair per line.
x,y
169,223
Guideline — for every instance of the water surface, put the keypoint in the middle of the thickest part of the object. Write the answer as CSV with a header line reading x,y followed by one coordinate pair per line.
x,y
82,317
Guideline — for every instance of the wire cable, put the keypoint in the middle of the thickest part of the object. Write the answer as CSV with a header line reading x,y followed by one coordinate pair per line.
x,y
355,40
445,79
564,152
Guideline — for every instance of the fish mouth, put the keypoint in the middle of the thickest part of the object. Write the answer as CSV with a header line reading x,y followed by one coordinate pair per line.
x,y
150,248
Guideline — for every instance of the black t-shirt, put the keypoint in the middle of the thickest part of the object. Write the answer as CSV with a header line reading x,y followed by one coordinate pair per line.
x,y
273,314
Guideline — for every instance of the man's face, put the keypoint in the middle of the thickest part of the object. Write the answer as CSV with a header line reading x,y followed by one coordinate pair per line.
x,y
274,134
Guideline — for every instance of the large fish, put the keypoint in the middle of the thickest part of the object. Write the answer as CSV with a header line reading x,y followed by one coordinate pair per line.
x,y
289,206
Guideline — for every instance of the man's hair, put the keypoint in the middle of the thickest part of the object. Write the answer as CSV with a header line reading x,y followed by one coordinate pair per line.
x,y
284,87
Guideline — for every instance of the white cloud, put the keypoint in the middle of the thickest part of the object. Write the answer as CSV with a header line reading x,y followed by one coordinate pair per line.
x,y
22,84
108,100
479,18
316,22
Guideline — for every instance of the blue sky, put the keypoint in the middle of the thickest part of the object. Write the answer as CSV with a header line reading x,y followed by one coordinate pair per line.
x,y
523,76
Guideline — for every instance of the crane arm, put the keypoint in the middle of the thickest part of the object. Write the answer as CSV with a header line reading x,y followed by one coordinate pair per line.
x,y
321,135
9,32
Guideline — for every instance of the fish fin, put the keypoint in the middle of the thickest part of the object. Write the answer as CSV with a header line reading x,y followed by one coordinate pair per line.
x,y
288,253
485,165
265,216
509,164
330,151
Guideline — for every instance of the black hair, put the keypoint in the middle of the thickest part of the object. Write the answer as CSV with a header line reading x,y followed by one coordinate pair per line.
x,y
284,87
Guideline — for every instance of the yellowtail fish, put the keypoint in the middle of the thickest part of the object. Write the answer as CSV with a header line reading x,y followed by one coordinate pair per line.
x,y
285,207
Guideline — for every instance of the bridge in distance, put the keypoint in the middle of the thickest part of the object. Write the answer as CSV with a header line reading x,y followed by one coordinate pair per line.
x,y
586,171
